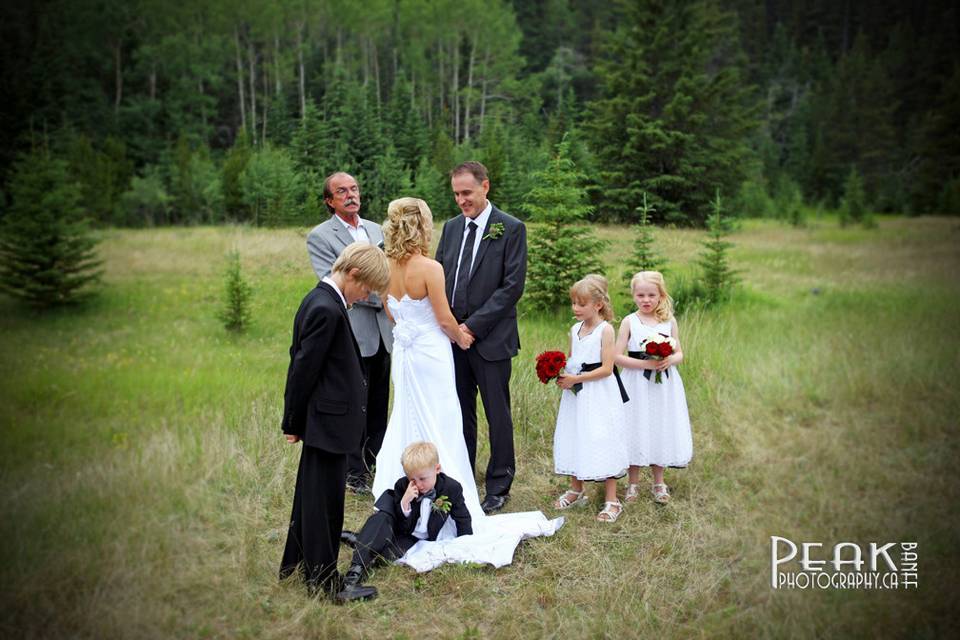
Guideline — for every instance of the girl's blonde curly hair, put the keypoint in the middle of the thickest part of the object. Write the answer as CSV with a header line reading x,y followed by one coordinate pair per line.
x,y
407,229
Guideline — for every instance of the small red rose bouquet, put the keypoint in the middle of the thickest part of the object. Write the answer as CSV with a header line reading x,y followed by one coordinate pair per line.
x,y
550,365
657,347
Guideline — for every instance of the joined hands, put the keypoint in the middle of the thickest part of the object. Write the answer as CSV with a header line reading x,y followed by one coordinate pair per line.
x,y
467,337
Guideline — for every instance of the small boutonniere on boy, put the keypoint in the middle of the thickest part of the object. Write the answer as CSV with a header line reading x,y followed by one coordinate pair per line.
x,y
441,504
494,231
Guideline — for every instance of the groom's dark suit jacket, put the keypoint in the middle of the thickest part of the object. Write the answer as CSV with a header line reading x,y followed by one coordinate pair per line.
x,y
325,400
389,502
496,282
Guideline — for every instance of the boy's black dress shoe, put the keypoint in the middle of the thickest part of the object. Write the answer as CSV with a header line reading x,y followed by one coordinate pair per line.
x,y
352,590
492,504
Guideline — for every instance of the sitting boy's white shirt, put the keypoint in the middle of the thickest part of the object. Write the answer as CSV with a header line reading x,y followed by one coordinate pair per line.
x,y
420,531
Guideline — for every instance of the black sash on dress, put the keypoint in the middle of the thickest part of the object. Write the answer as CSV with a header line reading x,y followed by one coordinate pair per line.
x,y
616,374
643,355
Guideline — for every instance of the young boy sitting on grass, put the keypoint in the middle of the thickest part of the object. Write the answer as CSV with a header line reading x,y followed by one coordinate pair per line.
x,y
415,509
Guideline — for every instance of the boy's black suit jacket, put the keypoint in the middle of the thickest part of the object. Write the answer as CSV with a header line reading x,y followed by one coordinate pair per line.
x,y
389,502
325,401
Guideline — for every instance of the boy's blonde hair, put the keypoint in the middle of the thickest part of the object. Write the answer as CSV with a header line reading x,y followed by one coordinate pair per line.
x,y
370,262
408,228
593,287
419,456
664,310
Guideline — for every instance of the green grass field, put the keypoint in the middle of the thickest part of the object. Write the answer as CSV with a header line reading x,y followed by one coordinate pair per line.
x,y
145,483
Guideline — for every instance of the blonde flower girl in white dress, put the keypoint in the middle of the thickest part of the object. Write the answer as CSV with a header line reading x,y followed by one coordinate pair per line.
x,y
658,423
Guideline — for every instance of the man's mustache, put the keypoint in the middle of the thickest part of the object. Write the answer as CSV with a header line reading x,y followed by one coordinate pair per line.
x,y
351,201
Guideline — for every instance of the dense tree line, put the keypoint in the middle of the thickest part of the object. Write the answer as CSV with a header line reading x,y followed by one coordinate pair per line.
x,y
209,111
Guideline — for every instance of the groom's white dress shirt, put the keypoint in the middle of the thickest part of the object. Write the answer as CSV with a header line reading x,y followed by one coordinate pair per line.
x,y
481,222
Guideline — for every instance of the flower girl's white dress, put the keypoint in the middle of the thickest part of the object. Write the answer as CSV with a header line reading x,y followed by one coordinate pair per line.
x,y
658,422
425,407
590,442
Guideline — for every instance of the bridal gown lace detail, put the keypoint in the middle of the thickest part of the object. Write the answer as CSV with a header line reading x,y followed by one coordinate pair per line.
x,y
425,407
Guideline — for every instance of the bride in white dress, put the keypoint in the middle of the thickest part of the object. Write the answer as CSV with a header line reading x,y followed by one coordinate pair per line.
x,y
425,404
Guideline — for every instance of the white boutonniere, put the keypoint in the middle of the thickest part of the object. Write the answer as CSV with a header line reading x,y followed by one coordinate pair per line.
x,y
494,231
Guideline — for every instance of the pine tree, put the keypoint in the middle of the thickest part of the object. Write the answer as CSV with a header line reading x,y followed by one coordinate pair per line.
x,y
307,142
404,126
718,277
645,258
47,253
935,186
561,250
789,201
103,174
235,313
859,109
389,180
363,134
233,165
272,188
674,112
854,205
434,188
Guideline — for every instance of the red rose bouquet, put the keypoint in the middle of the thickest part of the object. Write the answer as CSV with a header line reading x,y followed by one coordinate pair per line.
x,y
550,364
657,347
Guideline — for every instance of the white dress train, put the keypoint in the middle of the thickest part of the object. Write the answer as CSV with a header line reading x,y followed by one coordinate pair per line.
x,y
425,407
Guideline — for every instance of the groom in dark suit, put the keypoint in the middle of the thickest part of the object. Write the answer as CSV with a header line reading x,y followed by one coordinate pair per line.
x,y
484,258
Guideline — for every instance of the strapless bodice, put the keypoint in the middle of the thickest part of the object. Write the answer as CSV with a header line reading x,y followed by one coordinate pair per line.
x,y
413,317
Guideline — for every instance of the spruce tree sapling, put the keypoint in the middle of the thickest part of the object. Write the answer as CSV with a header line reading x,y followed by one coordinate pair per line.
x,y
718,277
561,250
645,257
854,205
235,313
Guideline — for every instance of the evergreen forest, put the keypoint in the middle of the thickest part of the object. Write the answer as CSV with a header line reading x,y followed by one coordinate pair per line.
x,y
207,111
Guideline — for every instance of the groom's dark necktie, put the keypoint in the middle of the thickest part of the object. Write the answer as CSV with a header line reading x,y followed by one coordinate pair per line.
x,y
463,273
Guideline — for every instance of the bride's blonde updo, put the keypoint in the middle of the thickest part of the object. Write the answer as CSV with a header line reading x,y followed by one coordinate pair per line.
x,y
408,228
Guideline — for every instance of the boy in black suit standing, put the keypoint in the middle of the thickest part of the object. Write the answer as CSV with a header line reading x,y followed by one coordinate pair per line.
x,y
325,405
415,509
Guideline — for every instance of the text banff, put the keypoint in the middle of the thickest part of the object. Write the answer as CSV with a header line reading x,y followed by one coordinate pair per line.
x,y
891,565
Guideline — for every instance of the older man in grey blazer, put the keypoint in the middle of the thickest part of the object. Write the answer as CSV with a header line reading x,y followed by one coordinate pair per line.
x,y
369,322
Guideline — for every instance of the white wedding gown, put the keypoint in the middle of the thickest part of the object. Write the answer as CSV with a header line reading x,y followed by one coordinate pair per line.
x,y
425,407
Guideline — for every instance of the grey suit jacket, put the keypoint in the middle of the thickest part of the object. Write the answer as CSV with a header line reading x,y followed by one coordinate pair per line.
x,y
367,318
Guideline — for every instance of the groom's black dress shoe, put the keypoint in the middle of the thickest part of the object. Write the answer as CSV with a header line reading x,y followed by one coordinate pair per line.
x,y
492,504
348,538
352,590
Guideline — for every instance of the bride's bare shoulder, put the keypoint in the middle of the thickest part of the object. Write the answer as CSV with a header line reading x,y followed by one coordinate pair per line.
x,y
424,264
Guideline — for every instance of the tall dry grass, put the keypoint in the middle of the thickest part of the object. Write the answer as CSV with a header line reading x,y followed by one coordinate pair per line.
x,y
145,485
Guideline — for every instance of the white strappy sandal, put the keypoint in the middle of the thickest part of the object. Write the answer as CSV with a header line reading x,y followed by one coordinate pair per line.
x,y
660,493
611,511
570,498
633,492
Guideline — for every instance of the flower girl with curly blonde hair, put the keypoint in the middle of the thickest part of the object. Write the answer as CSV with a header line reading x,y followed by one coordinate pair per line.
x,y
658,423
